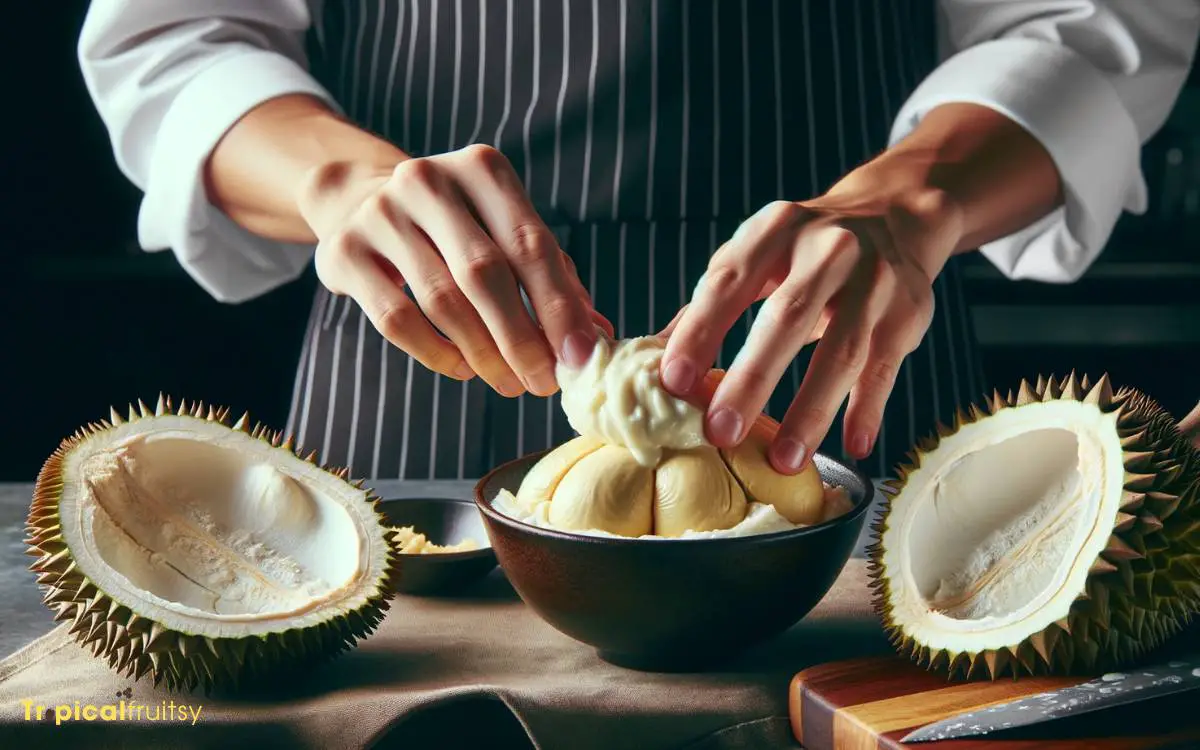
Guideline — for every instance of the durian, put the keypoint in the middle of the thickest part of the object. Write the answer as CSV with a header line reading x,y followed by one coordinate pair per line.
x,y
203,554
584,484
642,465
1054,530
409,541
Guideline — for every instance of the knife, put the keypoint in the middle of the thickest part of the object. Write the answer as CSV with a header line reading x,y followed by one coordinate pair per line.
x,y
1110,690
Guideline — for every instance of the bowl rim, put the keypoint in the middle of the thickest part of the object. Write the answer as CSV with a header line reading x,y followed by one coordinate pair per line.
x,y
486,549
853,516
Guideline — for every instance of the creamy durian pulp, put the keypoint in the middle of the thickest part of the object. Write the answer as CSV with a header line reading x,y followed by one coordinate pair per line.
x,y
210,541
642,467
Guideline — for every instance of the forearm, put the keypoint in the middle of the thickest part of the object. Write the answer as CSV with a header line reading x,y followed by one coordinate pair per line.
x,y
996,177
258,170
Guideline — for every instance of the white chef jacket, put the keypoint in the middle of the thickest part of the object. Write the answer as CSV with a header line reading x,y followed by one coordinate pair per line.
x,y
1092,80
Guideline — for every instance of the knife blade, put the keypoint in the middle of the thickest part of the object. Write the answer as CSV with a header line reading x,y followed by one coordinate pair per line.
x,y
1109,690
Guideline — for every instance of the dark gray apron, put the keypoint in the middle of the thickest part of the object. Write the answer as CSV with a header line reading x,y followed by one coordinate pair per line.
x,y
645,131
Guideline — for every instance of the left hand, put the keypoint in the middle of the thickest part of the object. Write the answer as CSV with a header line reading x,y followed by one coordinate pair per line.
x,y
854,269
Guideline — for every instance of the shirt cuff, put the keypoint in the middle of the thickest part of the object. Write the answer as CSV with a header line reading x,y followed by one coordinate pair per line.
x,y
1076,114
230,263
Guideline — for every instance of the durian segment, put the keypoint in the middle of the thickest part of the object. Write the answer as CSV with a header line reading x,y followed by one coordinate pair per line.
x,y
203,555
542,479
800,498
1053,530
412,542
694,491
606,490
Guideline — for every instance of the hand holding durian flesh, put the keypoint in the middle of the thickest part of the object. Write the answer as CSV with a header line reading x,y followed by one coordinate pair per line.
x,y
643,466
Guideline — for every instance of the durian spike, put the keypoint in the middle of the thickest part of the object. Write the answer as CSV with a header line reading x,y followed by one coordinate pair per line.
x,y
1026,394
1101,393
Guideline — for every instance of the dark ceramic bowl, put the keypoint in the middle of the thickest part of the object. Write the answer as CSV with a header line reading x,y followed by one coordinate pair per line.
x,y
442,521
676,604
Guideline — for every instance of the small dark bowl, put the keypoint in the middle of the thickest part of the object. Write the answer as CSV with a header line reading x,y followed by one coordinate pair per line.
x,y
442,521
678,604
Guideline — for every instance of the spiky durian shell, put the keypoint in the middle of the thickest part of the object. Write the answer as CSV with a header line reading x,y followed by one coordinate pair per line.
x,y
1142,589
138,647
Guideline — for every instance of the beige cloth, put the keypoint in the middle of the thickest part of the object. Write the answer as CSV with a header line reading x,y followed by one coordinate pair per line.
x,y
478,670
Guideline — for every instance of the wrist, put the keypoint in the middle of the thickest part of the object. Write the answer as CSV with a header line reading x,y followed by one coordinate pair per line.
x,y
996,174
260,174
904,184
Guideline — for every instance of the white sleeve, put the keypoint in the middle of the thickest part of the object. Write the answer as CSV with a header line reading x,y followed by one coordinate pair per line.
x,y
1092,80
169,78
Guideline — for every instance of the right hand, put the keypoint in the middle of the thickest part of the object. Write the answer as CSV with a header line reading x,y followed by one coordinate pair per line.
x,y
459,231
1190,426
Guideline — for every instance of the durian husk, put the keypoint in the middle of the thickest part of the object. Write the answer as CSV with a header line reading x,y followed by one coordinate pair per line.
x,y
137,647
1143,589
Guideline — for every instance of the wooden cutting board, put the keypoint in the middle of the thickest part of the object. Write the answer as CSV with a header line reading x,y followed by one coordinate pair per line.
x,y
870,703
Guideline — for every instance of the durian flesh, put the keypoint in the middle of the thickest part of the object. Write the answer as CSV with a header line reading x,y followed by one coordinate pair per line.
x,y
586,485
643,467
1057,530
200,553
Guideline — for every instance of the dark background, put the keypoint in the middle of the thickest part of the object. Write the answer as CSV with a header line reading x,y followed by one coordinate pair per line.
x,y
89,320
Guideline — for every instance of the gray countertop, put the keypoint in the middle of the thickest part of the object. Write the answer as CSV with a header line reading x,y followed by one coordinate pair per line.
x,y
24,618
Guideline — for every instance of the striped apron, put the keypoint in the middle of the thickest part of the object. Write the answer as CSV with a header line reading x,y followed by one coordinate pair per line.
x,y
644,131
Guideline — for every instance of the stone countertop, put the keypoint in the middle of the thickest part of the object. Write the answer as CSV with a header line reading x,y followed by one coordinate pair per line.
x,y
24,618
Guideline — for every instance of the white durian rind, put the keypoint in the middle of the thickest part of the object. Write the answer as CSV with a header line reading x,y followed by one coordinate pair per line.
x,y
183,646
1126,565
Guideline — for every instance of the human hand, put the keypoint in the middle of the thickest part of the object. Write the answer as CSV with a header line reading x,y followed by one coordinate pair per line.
x,y
459,231
1190,426
853,269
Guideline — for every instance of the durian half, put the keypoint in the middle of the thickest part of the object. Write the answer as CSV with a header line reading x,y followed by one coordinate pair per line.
x,y
205,554
1055,530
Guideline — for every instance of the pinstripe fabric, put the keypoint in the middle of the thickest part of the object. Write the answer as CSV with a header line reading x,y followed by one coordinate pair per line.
x,y
645,131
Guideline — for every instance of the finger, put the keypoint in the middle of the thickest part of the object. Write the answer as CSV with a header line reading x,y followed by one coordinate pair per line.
x,y
597,317
783,327
381,296
438,296
500,200
894,337
868,397
731,284
837,362
479,268
1191,422
666,331
670,327
604,323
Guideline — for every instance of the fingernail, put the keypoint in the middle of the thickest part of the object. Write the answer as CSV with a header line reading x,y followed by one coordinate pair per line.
x,y
789,454
726,426
541,383
510,387
680,376
464,371
577,349
860,445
